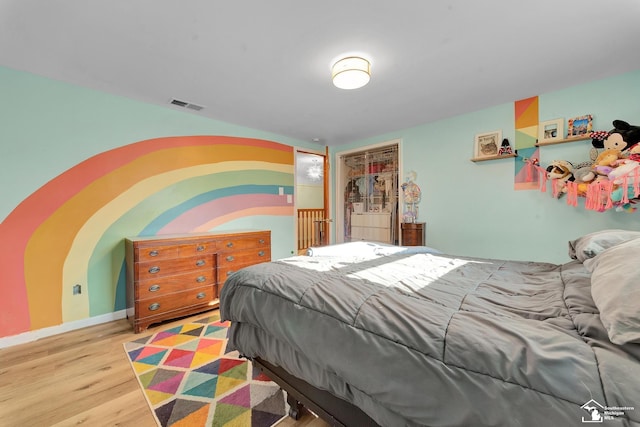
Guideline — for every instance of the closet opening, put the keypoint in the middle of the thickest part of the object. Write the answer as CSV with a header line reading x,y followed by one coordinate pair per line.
x,y
367,194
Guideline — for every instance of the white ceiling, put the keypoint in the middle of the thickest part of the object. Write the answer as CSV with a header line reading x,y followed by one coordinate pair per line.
x,y
266,64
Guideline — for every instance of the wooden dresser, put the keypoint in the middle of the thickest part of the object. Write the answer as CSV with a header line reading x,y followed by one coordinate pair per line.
x,y
178,275
413,233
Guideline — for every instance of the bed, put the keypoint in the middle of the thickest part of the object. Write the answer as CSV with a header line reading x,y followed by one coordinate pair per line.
x,y
368,334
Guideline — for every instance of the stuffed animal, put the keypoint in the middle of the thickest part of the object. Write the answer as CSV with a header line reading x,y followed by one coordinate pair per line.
x,y
622,137
559,169
505,148
583,175
634,152
607,161
560,172
625,183
624,167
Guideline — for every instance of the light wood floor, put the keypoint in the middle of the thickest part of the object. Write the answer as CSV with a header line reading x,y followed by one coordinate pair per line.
x,y
81,377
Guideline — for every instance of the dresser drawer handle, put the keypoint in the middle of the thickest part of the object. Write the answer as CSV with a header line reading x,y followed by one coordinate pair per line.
x,y
230,244
154,306
200,262
199,248
230,258
154,253
200,279
230,272
155,269
261,253
201,295
261,241
154,288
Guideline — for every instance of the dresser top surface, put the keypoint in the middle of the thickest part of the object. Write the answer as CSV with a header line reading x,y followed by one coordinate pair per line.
x,y
203,235
413,224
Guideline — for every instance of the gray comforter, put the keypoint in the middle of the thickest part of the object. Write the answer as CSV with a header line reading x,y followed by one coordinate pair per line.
x,y
437,340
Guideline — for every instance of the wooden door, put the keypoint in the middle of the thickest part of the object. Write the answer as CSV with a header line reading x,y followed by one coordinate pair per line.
x,y
312,205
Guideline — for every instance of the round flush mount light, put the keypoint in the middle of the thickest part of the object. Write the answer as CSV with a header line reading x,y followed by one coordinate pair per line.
x,y
351,72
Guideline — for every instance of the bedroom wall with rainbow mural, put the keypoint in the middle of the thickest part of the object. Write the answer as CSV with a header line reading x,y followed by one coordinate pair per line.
x,y
189,174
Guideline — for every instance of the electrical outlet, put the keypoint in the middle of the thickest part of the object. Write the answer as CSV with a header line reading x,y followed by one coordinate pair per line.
x,y
77,289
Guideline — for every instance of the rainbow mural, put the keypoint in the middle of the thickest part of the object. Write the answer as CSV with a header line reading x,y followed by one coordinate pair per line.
x,y
71,230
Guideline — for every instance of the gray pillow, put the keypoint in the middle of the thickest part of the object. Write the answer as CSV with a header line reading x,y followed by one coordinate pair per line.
x,y
592,244
615,288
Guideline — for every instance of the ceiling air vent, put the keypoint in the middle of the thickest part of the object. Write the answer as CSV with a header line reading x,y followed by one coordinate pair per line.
x,y
185,104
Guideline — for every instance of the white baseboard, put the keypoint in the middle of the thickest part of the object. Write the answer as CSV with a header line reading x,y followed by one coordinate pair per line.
x,y
65,327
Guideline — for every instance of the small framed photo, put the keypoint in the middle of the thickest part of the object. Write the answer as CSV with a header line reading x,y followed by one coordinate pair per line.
x,y
579,126
551,130
487,144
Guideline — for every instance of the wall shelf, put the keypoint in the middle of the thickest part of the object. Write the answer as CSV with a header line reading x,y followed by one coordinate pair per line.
x,y
503,156
563,141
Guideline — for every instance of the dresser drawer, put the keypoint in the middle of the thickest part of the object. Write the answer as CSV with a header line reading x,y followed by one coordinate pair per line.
x,y
228,270
411,240
247,256
178,300
161,252
198,248
244,242
159,286
160,268
224,273
156,253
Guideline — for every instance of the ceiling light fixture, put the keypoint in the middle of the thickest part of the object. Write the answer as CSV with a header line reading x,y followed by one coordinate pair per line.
x,y
351,72
315,171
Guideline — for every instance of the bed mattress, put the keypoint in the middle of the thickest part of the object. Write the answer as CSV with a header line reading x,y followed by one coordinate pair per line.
x,y
437,340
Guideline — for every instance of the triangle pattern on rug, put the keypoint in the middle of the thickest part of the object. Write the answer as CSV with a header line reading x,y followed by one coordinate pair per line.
x,y
189,380
261,404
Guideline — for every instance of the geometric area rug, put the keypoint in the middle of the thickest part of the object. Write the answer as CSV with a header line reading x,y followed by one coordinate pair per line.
x,y
189,380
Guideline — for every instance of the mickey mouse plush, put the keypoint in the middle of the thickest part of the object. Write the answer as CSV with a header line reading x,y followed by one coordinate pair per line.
x,y
623,137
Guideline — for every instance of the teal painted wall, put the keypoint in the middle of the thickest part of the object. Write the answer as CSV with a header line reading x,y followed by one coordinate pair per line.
x,y
47,127
81,170
472,209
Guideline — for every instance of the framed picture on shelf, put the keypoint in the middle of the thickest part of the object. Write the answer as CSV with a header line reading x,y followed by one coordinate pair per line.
x,y
551,130
487,144
579,126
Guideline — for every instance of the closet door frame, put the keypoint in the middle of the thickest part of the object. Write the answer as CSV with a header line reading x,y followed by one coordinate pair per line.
x,y
341,179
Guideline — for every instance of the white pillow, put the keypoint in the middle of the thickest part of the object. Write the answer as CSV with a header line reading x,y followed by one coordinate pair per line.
x,y
592,244
615,288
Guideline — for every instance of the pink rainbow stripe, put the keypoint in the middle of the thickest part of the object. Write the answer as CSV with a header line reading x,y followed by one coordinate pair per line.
x,y
203,213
